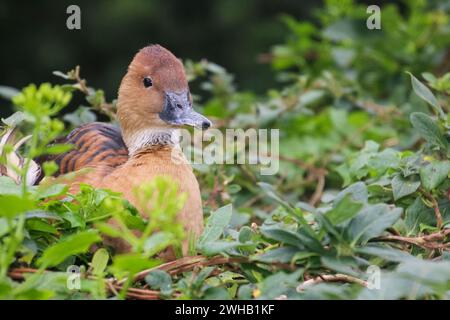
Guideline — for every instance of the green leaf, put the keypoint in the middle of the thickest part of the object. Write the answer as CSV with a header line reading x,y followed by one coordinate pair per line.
x,y
8,186
340,30
160,280
371,222
309,241
271,192
402,187
428,129
96,97
346,265
14,119
216,224
216,247
49,167
216,293
58,148
8,92
386,253
325,223
42,226
245,234
80,116
280,255
295,212
157,242
43,214
423,92
344,210
357,191
418,214
63,75
234,188
201,277
434,174
280,283
413,279
52,190
394,286
99,261
104,227
76,220
12,205
434,273
131,263
72,245
282,235
299,239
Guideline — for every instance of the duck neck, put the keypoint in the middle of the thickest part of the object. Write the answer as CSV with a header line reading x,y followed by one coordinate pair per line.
x,y
146,139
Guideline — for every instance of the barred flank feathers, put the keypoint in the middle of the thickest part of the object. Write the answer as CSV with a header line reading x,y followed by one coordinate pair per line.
x,y
94,144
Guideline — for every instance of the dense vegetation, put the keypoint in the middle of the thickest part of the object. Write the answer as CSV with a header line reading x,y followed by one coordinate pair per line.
x,y
362,189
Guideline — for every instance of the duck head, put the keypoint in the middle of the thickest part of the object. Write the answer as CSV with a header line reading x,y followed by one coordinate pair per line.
x,y
154,99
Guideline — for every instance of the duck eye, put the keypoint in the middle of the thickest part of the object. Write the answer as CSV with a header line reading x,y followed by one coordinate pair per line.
x,y
148,82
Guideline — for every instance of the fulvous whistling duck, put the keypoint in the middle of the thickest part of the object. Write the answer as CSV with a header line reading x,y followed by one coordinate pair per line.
x,y
153,101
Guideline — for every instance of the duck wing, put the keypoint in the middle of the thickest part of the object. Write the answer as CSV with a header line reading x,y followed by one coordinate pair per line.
x,y
95,144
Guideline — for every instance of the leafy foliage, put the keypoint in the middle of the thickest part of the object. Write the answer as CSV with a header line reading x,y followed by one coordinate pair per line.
x,y
359,209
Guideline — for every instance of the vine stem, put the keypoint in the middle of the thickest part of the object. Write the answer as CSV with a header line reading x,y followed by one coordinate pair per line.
x,y
330,278
123,287
315,173
435,205
428,241
105,108
185,264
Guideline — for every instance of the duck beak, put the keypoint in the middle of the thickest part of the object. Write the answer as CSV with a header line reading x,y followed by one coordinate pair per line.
x,y
178,111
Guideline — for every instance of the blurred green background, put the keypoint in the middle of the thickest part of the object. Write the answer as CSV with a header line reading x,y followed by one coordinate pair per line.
x,y
235,34
364,148
231,33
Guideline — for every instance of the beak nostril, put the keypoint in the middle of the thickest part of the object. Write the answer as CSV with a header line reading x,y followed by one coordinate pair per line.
x,y
179,106
205,125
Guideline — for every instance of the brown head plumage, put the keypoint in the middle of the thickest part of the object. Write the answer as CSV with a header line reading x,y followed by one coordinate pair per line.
x,y
154,95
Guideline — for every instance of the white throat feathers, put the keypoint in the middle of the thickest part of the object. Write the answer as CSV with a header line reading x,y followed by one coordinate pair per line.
x,y
151,137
